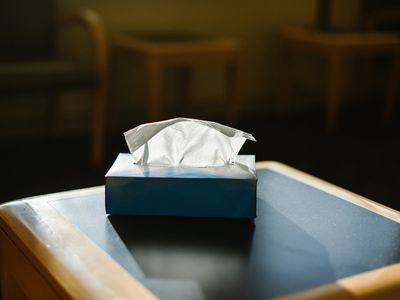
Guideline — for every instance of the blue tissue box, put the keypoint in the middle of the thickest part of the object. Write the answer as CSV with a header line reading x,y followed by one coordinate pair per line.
x,y
228,191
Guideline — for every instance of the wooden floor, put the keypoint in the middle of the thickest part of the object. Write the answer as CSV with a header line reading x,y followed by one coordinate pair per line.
x,y
362,156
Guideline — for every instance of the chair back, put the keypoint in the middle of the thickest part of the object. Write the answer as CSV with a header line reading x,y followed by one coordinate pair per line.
x,y
382,15
27,29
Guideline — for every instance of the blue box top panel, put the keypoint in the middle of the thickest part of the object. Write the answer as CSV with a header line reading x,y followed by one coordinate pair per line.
x,y
244,168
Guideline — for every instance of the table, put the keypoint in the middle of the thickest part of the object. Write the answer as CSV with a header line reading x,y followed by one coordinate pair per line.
x,y
337,47
310,240
159,51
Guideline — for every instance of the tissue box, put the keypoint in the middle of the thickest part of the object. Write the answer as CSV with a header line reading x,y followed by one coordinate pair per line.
x,y
227,191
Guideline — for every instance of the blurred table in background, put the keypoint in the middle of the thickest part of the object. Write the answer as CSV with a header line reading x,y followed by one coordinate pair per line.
x,y
159,51
337,47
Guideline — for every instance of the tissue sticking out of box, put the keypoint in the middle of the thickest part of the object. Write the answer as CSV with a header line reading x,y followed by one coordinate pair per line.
x,y
184,142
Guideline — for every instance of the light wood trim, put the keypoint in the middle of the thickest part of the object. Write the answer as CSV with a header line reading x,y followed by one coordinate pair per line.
x,y
19,277
73,266
378,284
382,283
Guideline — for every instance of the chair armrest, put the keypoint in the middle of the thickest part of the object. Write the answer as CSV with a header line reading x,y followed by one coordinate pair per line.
x,y
92,22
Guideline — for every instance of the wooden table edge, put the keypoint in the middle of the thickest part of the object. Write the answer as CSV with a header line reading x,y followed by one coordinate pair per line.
x,y
381,283
332,189
73,266
132,43
310,40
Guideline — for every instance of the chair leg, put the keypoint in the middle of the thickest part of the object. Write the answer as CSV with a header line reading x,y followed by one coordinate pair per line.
x,y
98,126
184,88
51,98
284,77
154,82
364,78
232,90
335,89
392,90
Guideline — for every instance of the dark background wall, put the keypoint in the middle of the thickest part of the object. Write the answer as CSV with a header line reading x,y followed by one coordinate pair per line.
x,y
256,23
362,155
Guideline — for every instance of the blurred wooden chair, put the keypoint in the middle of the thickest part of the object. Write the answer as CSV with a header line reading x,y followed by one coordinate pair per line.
x,y
159,51
337,48
387,20
29,62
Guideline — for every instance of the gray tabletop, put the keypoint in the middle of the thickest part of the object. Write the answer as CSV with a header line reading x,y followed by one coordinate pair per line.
x,y
302,238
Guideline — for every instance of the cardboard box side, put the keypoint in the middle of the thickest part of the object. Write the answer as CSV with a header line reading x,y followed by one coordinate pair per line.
x,y
181,197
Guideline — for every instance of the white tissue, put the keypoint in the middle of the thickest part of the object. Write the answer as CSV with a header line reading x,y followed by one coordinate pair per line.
x,y
185,142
